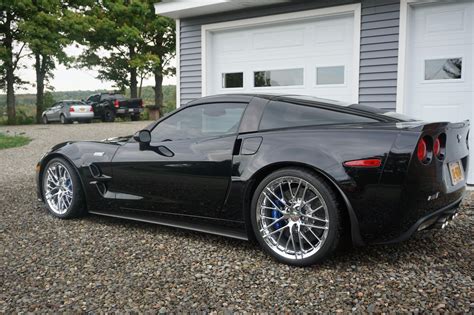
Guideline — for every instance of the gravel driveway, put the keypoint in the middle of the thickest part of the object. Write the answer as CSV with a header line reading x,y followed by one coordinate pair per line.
x,y
105,264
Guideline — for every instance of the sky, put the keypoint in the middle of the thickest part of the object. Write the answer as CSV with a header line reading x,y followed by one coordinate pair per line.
x,y
73,79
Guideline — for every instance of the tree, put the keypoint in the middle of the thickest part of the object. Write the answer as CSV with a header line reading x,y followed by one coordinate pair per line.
x,y
12,13
126,41
46,36
159,48
112,40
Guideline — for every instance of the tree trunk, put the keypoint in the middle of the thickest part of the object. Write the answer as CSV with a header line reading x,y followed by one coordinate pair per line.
x,y
10,75
133,75
159,90
40,75
140,88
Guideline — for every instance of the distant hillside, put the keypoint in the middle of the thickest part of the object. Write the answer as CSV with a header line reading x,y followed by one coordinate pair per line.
x,y
169,93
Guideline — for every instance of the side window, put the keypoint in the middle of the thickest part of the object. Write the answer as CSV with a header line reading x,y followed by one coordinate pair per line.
x,y
93,98
283,115
207,120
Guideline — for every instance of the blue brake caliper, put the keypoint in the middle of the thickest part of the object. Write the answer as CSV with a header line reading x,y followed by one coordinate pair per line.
x,y
277,214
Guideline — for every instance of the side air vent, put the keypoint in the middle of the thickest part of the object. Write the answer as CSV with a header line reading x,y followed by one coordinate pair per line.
x,y
102,188
95,171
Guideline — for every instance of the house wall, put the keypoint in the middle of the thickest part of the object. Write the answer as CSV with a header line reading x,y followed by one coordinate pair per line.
x,y
379,47
379,53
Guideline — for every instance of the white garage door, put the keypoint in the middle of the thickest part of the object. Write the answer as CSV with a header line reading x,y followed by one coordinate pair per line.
x,y
440,64
311,56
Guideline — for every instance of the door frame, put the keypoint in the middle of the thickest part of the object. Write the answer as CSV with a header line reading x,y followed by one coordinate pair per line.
x,y
354,9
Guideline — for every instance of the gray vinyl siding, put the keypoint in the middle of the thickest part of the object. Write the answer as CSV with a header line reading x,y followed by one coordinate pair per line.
x,y
379,47
380,21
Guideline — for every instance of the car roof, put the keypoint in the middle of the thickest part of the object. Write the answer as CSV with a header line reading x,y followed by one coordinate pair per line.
x,y
296,99
246,97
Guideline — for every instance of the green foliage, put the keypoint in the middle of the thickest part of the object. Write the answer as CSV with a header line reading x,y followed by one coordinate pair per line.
x,y
124,40
138,43
7,141
26,112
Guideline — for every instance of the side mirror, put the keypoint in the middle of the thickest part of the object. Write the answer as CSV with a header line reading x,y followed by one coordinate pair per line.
x,y
143,136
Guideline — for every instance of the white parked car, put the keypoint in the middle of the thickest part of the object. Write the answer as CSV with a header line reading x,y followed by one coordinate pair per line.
x,y
69,111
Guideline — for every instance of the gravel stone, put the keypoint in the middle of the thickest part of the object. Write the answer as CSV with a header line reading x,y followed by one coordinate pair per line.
x,y
97,264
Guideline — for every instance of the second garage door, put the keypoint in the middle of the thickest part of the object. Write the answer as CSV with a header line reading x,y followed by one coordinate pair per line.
x,y
312,56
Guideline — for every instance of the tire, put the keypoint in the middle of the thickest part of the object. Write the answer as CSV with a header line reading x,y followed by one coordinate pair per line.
x,y
63,120
61,182
108,116
135,117
307,228
45,120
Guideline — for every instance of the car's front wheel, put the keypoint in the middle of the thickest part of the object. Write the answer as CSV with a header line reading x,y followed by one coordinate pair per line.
x,y
45,120
295,216
62,190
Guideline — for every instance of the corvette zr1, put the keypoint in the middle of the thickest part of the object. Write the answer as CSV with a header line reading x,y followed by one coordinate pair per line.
x,y
296,173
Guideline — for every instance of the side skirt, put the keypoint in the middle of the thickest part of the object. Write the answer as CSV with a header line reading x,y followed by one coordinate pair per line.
x,y
206,228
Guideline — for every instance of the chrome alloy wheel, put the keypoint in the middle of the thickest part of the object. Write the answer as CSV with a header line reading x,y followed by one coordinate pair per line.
x,y
292,217
57,187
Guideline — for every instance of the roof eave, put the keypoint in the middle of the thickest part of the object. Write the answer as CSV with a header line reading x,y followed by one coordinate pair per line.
x,y
178,9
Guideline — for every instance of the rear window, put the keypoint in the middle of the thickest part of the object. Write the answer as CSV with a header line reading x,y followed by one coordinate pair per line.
x,y
112,96
284,115
75,103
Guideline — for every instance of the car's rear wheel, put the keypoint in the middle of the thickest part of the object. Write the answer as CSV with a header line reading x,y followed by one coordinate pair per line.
x,y
135,117
62,190
108,116
45,120
295,216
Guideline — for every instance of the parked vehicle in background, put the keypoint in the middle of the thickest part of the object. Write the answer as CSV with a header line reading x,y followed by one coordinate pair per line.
x,y
68,111
107,106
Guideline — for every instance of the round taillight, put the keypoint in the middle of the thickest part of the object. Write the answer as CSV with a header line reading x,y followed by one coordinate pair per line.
x,y
421,150
437,147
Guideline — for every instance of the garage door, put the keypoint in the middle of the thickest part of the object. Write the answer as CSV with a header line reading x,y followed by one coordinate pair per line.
x,y
312,56
440,64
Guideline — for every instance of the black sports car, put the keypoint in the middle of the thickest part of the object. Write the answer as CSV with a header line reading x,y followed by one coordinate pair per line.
x,y
294,172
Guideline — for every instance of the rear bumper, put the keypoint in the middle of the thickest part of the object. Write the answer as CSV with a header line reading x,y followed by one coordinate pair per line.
x,y
81,116
129,111
427,221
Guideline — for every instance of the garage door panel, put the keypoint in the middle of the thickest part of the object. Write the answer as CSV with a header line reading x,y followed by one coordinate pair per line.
x,y
326,44
278,38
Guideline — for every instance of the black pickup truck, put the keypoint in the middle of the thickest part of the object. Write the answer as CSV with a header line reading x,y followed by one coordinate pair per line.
x,y
107,106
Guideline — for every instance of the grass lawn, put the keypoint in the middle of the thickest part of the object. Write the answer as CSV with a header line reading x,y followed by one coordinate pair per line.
x,y
12,141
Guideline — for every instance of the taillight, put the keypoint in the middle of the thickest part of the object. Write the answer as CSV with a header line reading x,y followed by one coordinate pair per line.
x,y
91,109
421,151
141,103
364,163
116,104
71,109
